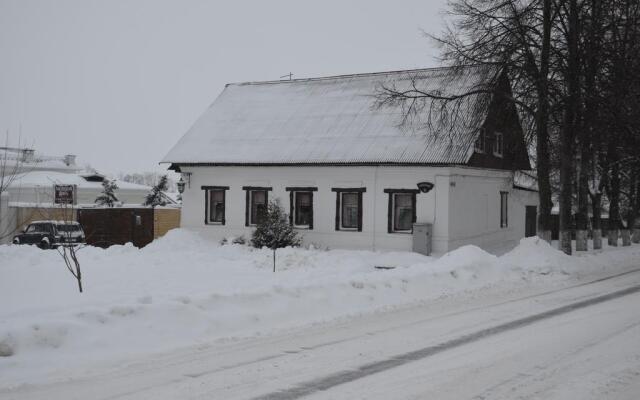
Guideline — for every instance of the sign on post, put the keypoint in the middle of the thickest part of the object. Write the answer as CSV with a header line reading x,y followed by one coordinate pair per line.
x,y
64,194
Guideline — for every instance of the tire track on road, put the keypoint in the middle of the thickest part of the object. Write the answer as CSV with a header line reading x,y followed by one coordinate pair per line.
x,y
339,378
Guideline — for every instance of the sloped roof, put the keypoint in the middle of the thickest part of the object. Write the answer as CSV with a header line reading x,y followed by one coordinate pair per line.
x,y
335,120
50,178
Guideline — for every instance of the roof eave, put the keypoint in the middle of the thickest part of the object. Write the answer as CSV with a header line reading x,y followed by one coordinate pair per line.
x,y
175,166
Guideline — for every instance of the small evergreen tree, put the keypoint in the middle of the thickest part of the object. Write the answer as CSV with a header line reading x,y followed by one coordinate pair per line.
x,y
155,196
274,231
107,197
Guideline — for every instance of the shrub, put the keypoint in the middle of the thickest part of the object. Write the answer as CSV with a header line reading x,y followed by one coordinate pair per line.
x,y
273,229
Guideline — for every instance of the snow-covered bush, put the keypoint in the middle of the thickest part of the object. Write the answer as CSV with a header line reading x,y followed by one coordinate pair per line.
x,y
155,196
107,197
273,229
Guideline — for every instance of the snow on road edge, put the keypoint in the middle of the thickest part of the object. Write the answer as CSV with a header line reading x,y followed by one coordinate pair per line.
x,y
183,290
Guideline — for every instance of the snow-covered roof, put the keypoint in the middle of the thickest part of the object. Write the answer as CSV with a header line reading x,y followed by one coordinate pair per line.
x,y
54,221
334,120
525,180
49,178
18,160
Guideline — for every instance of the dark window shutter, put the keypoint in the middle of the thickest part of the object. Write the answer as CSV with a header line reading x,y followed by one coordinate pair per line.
x,y
337,211
504,209
360,212
206,207
311,218
390,214
413,205
291,207
224,207
247,208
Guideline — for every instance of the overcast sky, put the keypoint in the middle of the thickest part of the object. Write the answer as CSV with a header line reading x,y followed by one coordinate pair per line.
x,y
119,82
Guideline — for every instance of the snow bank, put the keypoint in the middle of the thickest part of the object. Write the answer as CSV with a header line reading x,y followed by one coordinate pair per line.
x,y
183,290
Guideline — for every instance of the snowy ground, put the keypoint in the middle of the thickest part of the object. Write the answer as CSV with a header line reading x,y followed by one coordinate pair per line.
x,y
182,291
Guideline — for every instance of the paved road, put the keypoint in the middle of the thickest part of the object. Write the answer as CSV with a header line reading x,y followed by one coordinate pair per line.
x,y
581,342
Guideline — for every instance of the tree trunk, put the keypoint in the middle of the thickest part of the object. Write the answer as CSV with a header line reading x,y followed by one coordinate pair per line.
x,y
634,206
614,197
636,235
596,204
587,152
582,217
597,239
635,222
612,237
567,134
543,158
625,234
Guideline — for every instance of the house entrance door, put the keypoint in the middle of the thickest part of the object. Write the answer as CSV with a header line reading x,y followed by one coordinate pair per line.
x,y
531,218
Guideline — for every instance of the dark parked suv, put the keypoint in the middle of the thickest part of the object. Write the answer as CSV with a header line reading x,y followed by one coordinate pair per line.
x,y
51,234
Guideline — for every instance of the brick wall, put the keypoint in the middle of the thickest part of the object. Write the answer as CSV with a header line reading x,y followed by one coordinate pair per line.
x,y
164,220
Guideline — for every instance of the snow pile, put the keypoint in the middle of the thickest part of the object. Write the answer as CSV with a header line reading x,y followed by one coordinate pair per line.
x,y
182,290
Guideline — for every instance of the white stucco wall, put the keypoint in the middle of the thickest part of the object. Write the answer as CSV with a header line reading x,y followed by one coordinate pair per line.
x,y
475,203
374,201
44,194
464,205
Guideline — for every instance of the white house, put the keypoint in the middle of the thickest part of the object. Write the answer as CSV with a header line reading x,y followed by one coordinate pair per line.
x,y
29,181
347,170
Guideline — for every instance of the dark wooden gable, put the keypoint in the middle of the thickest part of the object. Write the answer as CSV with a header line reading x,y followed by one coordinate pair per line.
x,y
503,117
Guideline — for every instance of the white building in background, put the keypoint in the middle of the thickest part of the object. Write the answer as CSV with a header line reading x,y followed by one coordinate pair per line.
x,y
30,182
35,175
349,173
37,187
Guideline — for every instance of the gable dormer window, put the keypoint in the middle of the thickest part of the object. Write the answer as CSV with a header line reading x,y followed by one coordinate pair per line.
x,y
498,145
479,145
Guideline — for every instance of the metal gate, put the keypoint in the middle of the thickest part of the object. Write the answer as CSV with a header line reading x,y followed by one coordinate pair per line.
x,y
104,227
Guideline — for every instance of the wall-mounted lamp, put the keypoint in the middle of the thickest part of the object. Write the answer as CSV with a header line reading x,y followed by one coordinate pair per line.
x,y
425,187
181,183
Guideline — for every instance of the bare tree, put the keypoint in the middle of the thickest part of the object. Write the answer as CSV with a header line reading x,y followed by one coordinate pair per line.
x,y
570,124
574,67
517,37
12,167
68,249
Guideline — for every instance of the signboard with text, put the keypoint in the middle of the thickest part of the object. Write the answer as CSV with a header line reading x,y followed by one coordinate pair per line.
x,y
64,194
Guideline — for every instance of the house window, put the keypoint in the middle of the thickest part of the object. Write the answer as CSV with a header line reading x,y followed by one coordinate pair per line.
x,y
402,210
301,206
256,204
349,209
215,197
498,145
479,145
504,209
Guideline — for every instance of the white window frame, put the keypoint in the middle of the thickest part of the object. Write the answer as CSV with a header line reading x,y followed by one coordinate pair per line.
x,y
249,191
479,145
498,144
393,212
504,209
211,206
296,210
342,227
208,206
251,204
